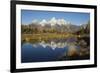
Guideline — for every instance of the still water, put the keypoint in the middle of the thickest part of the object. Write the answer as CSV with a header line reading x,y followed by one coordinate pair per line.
x,y
54,50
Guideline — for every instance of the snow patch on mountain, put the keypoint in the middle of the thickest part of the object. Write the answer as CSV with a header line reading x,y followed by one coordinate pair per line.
x,y
52,22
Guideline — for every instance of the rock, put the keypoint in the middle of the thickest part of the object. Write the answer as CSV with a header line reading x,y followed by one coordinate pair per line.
x,y
72,51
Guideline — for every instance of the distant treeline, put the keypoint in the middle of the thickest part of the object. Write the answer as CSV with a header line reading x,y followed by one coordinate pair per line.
x,y
29,29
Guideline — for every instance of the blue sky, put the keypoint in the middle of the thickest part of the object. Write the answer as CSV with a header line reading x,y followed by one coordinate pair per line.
x,y
27,16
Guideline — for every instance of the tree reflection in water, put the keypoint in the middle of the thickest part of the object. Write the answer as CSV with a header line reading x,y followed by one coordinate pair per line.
x,y
76,49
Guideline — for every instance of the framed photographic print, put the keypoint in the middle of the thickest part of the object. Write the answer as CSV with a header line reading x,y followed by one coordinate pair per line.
x,y
51,36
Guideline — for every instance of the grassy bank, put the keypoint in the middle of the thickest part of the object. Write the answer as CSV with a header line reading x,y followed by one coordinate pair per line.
x,y
46,36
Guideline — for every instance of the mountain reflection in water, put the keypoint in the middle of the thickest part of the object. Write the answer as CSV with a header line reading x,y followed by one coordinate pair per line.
x,y
55,50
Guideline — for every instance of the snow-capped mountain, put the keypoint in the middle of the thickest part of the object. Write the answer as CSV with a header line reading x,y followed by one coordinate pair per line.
x,y
57,24
43,22
53,21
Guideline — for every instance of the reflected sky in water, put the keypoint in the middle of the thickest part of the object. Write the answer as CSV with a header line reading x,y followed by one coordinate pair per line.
x,y
55,50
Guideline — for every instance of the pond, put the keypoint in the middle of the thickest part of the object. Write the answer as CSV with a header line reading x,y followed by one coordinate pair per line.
x,y
54,50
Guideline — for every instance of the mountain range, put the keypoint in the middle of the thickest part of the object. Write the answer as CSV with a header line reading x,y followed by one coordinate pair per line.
x,y
52,22
57,24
